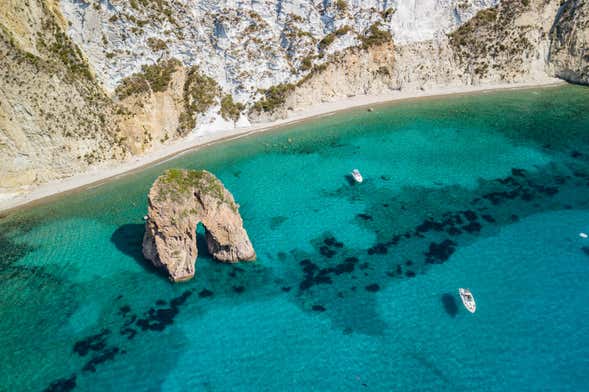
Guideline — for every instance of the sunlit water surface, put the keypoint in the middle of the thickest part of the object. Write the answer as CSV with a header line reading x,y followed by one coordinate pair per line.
x,y
355,286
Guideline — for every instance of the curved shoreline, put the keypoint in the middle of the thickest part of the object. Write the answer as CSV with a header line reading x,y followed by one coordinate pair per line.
x,y
98,176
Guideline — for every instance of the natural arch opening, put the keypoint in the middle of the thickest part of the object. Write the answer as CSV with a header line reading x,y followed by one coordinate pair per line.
x,y
201,241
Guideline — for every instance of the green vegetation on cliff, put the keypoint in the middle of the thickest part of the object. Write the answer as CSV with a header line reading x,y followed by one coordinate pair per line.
x,y
66,111
306,63
375,36
200,93
329,38
341,5
154,78
159,9
178,183
274,97
465,33
70,55
55,49
156,44
495,39
230,110
318,68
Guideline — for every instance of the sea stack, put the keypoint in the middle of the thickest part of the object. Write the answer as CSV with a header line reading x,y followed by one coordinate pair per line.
x,y
177,201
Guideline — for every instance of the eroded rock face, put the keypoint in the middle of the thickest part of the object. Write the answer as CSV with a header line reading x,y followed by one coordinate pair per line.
x,y
55,119
569,46
247,45
177,201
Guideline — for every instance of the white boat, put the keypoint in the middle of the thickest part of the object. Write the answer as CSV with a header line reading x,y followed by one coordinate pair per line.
x,y
357,176
467,300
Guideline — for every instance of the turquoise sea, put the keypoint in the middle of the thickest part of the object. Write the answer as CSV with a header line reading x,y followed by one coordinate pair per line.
x,y
355,286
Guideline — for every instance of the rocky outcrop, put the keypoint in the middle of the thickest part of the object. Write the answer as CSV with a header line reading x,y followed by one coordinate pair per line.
x,y
569,42
505,43
177,202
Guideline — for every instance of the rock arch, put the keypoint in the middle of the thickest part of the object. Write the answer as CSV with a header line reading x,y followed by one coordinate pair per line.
x,y
177,201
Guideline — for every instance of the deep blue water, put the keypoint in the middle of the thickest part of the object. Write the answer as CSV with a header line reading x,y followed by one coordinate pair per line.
x,y
355,286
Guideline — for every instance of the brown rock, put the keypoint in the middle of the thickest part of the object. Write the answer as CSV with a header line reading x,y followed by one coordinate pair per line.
x,y
177,201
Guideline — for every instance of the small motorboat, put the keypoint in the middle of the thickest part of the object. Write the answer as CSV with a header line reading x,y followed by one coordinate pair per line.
x,y
467,300
357,176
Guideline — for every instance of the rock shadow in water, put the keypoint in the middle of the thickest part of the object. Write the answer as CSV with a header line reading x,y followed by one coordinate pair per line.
x,y
201,246
128,238
450,304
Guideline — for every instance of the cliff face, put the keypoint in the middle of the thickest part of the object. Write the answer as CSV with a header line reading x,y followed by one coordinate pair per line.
x,y
177,202
569,42
55,120
246,46
358,71
506,43
150,104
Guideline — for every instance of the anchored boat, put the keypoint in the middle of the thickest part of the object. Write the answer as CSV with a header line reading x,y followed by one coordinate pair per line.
x,y
357,176
467,300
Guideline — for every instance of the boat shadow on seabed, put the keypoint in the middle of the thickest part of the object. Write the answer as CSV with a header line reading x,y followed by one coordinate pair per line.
x,y
450,304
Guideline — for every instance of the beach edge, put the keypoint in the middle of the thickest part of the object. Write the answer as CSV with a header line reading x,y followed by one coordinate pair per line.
x,y
95,177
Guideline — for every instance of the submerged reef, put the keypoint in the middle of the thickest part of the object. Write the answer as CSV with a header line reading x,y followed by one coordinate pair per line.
x,y
177,202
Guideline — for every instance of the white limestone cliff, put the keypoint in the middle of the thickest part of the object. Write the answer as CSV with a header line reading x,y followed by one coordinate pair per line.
x,y
245,46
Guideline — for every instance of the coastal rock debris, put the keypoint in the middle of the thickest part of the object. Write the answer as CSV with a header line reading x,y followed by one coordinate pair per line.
x,y
177,201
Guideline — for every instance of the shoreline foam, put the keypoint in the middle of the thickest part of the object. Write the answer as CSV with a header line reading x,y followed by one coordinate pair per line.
x,y
97,176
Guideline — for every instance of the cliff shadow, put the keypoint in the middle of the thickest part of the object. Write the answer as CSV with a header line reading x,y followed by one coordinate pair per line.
x,y
128,238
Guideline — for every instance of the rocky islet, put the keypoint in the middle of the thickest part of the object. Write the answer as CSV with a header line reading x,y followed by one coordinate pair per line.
x,y
177,202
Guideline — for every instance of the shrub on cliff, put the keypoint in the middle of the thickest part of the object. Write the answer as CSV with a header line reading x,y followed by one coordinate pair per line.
x,y
306,63
375,36
200,93
329,38
154,77
466,33
156,44
274,97
231,110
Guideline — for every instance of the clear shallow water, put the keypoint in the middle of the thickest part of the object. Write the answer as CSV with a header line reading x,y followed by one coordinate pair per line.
x,y
355,287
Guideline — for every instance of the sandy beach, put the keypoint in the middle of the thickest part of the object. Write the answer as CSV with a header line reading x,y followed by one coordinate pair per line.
x,y
95,177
